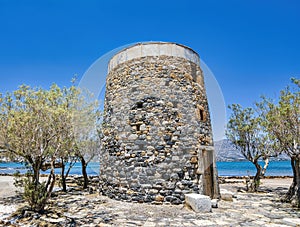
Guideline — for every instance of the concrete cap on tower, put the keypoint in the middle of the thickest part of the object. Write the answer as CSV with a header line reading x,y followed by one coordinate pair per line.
x,y
153,49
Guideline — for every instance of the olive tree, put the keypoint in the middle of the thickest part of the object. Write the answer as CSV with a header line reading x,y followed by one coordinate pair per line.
x,y
34,129
244,130
86,124
283,125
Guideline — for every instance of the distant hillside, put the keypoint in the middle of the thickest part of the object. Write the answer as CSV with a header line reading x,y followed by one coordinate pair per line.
x,y
226,152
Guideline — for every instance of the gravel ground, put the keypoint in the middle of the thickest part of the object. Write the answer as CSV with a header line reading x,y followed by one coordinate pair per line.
x,y
79,208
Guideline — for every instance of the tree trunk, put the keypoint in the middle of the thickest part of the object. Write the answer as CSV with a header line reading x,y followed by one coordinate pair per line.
x,y
294,190
291,191
64,173
36,172
63,178
297,167
36,175
49,188
84,173
256,180
263,172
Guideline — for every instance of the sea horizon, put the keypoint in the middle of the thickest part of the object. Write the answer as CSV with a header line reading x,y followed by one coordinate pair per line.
x,y
233,168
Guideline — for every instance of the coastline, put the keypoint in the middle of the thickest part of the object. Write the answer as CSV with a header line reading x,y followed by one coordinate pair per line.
x,y
96,175
237,168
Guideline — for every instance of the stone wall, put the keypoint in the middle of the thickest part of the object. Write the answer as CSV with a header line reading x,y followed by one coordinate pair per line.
x,y
156,126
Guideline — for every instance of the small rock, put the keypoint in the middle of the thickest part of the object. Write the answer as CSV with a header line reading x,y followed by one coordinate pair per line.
x,y
153,191
214,203
194,160
170,186
53,220
169,198
226,195
157,186
146,186
143,127
159,198
174,176
176,201
127,155
160,147
133,137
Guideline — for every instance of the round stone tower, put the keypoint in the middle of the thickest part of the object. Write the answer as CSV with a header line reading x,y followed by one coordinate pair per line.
x,y
157,142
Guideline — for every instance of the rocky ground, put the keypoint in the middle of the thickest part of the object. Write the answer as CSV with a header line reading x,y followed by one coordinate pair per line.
x,y
86,208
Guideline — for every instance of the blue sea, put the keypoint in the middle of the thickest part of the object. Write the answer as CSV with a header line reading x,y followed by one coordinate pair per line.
x,y
276,168
13,167
244,168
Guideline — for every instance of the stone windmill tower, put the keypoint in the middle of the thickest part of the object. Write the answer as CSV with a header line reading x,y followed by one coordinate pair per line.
x,y
158,138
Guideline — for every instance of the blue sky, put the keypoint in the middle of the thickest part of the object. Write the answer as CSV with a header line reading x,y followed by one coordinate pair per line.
x,y
252,47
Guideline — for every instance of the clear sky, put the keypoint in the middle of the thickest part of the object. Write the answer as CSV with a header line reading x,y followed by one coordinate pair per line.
x,y
252,47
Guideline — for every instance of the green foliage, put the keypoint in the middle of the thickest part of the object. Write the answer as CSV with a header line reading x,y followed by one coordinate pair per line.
x,y
274,129
34,194
245,130
18,180
282,123
87,123
41,126
37,129
283,119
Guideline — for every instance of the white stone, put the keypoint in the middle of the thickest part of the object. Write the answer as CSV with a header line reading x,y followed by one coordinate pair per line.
x,y
150,148
226,195
214,203
204,223
175,158
199,203
133,137
143,127
293,221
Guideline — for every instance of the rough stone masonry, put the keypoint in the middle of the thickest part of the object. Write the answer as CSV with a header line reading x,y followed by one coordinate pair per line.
x,y
157,142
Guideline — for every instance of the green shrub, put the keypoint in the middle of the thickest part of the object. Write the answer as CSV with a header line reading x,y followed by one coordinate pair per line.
x,y
35,193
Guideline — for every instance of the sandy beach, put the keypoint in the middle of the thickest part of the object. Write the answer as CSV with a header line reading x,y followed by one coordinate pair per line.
x,y
90,209
7,187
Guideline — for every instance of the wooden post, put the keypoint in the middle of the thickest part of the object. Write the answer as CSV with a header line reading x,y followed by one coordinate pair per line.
x,y
209,171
